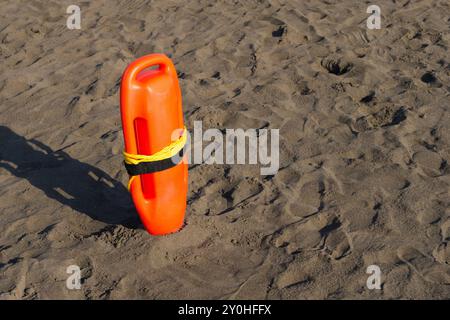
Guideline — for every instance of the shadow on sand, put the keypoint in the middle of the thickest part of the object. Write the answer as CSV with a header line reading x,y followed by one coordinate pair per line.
x,y
78,185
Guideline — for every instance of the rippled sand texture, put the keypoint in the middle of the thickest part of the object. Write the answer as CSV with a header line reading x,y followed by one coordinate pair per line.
x,y
364,120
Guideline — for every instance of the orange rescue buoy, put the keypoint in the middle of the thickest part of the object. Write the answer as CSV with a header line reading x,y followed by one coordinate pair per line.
x,y
151,109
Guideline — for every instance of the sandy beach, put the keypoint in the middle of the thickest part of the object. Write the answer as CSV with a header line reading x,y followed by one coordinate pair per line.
x,y
364,173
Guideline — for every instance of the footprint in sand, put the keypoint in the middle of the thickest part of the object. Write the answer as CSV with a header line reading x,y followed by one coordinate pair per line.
x,y
425,265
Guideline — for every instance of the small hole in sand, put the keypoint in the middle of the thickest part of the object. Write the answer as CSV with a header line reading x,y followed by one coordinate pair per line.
x,y
337,66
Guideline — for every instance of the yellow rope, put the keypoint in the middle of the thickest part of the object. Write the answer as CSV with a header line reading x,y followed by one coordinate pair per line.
x,y
130,182
165,153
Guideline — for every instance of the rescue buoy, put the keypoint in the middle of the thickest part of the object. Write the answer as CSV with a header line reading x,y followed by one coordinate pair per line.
x,y
151,110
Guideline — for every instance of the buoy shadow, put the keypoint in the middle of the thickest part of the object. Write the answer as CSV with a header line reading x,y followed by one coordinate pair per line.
x,y
82,187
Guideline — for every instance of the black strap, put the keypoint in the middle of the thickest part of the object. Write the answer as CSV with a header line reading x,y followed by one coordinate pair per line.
x,y
154,166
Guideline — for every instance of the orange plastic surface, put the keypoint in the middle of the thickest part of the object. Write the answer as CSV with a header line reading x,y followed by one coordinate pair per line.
x,y
150,105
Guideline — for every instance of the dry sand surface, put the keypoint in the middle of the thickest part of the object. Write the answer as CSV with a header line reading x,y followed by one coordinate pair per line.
x,y
364,175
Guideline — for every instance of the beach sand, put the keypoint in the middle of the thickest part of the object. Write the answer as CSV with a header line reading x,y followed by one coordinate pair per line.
x,y
364,144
